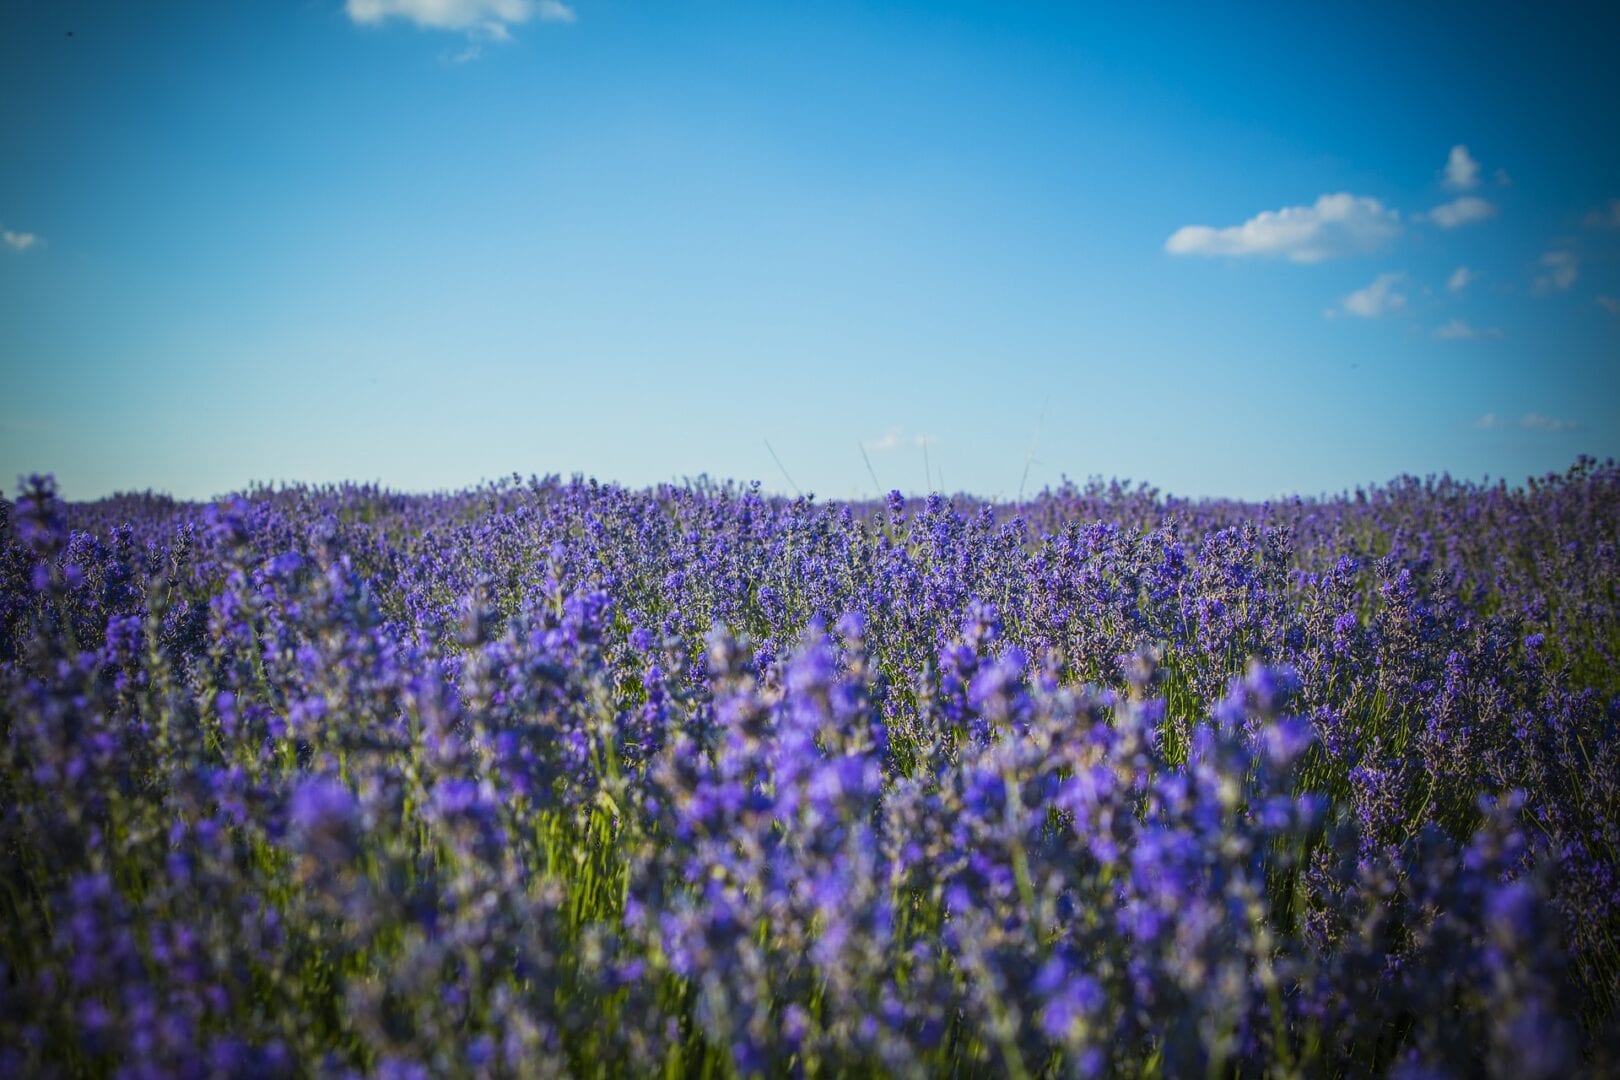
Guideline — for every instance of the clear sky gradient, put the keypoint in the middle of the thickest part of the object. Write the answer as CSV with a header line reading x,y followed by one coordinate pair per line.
x,y
426,242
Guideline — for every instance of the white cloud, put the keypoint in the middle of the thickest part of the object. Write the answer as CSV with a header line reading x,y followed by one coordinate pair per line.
x,y
1606,216
1375,300
481,20
18,241
1537,422
887,441
1462,171
442,14
1530,421
1610,304
894,439
1562,268
1334,226
1460,279
1458,330
1462,211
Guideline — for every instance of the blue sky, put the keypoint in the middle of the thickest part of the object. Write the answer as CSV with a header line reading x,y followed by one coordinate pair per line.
x,y
427,242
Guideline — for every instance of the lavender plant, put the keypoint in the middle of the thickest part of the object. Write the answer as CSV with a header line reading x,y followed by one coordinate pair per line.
x,y
557,778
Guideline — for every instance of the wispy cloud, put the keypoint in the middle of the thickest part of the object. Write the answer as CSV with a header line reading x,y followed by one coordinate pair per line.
x,y
1380,298
1334,226
1610,304
1462,211
1460,279
1462,171
1530,421
894,439
483,21
19,241
1559,271
1458,330
1606,216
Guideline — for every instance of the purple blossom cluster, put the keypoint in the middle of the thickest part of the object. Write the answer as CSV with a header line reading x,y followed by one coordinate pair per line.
x,y
558,778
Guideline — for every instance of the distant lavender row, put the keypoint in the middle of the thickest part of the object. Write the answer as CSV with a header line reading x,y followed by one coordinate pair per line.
x,y
548,778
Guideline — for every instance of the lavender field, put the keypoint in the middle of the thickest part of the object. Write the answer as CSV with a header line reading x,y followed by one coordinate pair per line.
x,y
556,778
